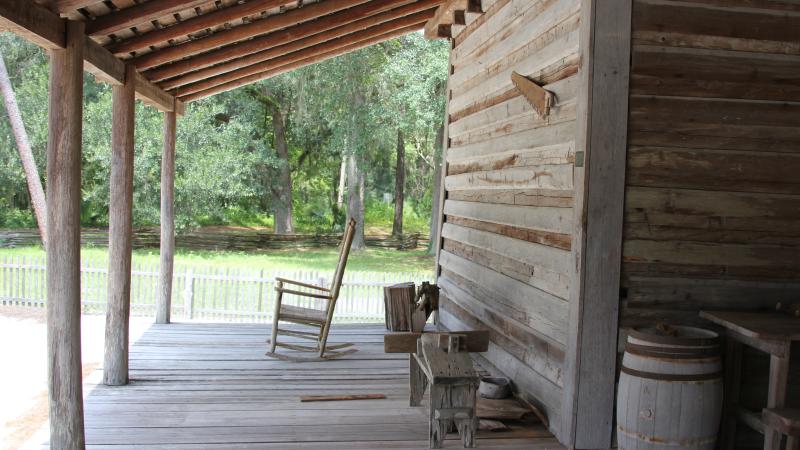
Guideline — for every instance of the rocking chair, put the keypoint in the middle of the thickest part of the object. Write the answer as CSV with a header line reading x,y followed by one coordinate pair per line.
x,y
318,318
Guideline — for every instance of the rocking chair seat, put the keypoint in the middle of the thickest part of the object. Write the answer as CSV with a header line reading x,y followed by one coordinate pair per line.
x,y
303,315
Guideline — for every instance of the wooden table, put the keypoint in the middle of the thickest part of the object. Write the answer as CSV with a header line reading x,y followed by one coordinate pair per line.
x,y
772,333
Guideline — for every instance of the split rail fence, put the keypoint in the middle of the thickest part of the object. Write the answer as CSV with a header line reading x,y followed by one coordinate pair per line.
x,y
204,293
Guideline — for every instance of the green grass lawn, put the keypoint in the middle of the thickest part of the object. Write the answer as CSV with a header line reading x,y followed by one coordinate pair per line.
x,y
369,260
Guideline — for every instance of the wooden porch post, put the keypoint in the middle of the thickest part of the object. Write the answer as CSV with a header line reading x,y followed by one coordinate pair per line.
x,y
64,244
120,221
167,219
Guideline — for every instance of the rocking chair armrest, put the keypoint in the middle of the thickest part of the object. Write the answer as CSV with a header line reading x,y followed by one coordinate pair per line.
x,y
307,285
303,294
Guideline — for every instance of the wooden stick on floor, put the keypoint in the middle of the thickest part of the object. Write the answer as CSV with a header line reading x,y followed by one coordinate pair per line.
x,y
336,398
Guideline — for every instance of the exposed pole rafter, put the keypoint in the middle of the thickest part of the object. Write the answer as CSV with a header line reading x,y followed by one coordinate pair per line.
x,y
242,32
65,6
138,14
194,25
300,63
47,30
329,27
337,37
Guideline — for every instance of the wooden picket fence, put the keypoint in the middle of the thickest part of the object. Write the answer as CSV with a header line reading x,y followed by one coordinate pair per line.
x,y
202,292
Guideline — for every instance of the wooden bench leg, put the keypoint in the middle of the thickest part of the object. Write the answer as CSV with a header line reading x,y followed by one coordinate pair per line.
x,y
417,382
438,427
464,396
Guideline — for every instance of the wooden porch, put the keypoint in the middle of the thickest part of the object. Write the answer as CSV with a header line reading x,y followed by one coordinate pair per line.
x,y
210,386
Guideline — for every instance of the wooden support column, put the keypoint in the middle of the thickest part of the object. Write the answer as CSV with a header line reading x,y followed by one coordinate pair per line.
x,y
64,244
120,233
167,219
599,179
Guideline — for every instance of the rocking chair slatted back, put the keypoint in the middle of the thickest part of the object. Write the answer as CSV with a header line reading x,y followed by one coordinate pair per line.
x,y
344,253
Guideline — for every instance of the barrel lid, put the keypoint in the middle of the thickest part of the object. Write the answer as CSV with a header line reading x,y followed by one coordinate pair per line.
x,y
675,335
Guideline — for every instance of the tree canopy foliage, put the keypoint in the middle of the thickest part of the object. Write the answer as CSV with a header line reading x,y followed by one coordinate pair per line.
x,y
235,149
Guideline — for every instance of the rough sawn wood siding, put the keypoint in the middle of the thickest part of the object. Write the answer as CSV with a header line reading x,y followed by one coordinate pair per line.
x,y
505,261
712,210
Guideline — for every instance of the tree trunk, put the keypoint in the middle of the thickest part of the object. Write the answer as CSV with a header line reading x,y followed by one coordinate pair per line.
x,y
355,185
342,178
25,153
355,205
438,161
283,207
399,185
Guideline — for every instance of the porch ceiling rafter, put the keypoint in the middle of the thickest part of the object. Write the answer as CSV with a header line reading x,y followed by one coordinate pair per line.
x,y
65,6
241,43
266,46
241,33
47,30
138,14
332,45
195,24
295,64
354,32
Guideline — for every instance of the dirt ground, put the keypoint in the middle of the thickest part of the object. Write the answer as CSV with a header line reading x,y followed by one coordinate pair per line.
x,y
23,376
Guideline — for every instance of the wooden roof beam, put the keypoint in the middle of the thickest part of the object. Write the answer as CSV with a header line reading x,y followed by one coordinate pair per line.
x,y
368,13
242,32
285,64
194,24
405,15
65,6
47,30
137,15
34,23
450,13
297,64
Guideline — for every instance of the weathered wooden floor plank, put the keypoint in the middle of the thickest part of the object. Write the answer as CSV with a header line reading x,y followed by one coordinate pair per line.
x,y
209,386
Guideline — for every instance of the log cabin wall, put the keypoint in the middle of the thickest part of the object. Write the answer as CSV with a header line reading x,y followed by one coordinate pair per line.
x,y
505,261
712,208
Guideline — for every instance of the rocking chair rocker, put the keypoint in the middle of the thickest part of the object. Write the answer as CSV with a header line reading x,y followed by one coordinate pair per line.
x,y
318,318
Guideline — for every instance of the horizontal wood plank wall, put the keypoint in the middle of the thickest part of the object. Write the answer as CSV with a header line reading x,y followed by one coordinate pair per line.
x,y
505,260
712,210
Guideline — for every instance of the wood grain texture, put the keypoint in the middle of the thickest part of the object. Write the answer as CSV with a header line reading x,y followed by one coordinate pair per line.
x,y
711,211
120,233
505,254
270,61
33,22
209,386
63,246
284,41
194,24
138,14
167,251
297,63
230,36
590,364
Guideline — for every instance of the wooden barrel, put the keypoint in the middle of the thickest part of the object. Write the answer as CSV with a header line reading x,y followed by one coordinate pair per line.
x,y
670,390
